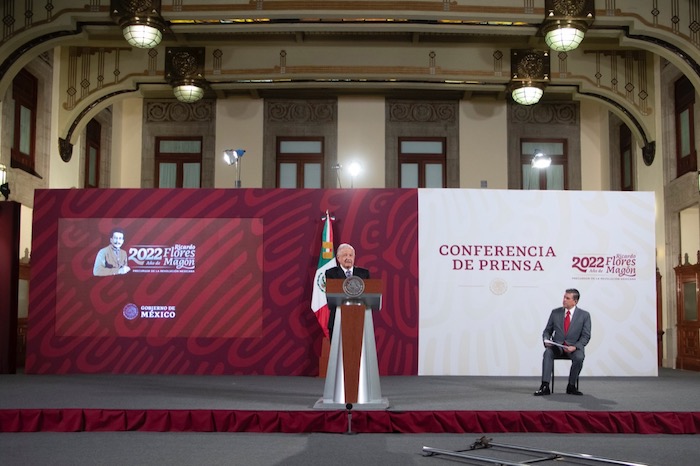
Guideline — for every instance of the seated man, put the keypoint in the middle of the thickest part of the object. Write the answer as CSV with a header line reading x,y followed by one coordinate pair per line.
x,y
570,326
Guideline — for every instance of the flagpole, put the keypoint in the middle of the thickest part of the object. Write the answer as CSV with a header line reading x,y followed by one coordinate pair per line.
x,y
326,260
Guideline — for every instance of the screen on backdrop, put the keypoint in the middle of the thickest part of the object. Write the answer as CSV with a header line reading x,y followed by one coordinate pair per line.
x,y
493,264
159,277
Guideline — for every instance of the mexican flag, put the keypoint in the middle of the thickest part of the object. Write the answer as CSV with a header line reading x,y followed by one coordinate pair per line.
x,y
326,260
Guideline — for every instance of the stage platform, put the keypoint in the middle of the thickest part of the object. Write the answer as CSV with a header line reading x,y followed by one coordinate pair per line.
x,y
667,404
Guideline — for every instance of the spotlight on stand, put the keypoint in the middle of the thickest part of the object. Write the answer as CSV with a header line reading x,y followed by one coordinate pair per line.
x,y
566,22
338,167
540,160
4,185
141,22
233,157
355,169
529,74
184,70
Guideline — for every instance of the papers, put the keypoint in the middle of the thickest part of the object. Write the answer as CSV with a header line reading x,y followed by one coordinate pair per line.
x,y
554,343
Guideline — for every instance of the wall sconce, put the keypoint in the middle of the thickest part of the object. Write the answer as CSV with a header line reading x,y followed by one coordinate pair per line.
x,y
540,160
184,70
233,157
140,21
4,185
529,71
566,22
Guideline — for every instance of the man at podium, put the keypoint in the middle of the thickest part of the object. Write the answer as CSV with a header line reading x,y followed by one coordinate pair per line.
x,y
345,258
352,377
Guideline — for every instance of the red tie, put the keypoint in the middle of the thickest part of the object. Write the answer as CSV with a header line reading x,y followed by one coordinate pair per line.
x,y
567,321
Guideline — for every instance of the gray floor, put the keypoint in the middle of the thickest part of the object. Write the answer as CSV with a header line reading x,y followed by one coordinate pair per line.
x,y
138,448
671,391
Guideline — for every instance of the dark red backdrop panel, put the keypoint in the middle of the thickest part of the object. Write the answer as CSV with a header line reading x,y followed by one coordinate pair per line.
x,y
382,224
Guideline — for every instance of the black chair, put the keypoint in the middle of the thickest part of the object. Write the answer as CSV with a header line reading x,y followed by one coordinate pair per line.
x,y
559,358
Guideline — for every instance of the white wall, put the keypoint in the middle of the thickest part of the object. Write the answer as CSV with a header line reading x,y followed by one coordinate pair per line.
x,y
25,230
361,139
61,174
690,233
483,146
127,142
239,125
595,160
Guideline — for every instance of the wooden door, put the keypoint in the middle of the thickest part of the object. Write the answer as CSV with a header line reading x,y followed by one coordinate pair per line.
x,y
687,294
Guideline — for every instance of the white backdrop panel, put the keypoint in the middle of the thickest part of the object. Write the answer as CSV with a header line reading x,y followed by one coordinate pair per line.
x,y
494,263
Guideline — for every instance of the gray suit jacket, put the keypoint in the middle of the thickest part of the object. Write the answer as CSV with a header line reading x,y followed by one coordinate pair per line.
x,y
579,329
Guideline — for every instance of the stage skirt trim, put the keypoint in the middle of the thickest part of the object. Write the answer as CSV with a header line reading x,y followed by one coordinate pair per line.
x,y
155,420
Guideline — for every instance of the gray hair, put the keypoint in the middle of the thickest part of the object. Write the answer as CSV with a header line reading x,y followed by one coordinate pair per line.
x,y
343,246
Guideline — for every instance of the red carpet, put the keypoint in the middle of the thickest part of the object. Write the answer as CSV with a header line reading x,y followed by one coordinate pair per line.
x,y
155,420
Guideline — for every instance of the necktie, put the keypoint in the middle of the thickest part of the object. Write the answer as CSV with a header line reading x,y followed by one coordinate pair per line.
x,y
567,321
348,273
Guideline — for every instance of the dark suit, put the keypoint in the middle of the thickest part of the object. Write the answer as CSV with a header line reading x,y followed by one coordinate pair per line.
x,y
579,335
338,272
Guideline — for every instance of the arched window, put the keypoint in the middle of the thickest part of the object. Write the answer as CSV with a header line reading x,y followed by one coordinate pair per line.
x,y
93,134
684,96
24,93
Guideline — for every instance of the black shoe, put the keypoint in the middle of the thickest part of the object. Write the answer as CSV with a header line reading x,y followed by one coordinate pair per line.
x,y
544,390
572,390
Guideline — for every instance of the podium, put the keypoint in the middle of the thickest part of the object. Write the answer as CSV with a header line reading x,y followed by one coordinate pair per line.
x,y
353,372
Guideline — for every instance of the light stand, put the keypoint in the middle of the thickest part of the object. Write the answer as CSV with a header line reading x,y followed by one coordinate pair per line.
x,y
355,169
338,167
4,185
233,156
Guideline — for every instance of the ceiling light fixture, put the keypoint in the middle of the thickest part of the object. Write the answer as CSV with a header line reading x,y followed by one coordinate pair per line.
x,y
529,72
566,23
140,21
528,94
184,70
188,91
